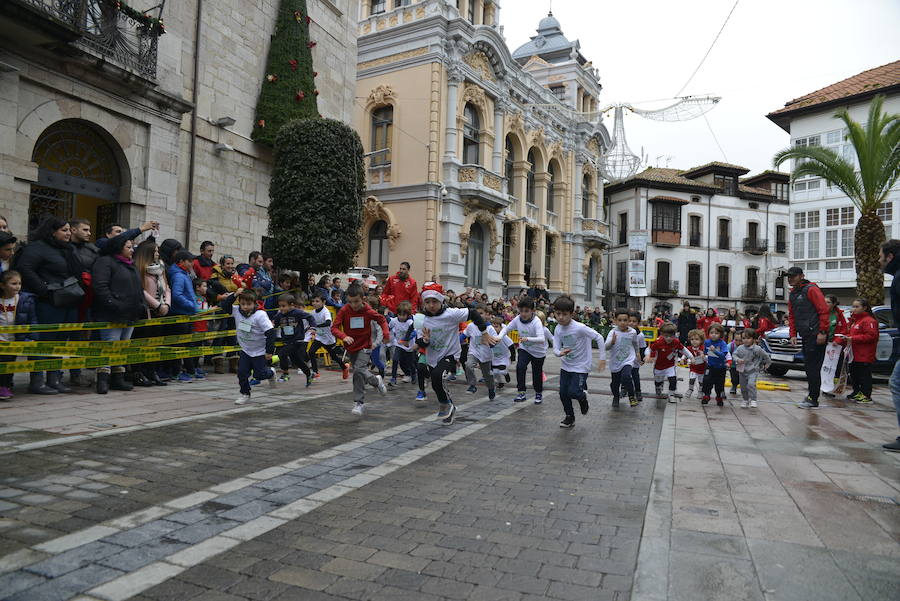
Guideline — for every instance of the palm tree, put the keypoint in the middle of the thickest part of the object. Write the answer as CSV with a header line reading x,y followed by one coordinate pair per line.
x,y
877,146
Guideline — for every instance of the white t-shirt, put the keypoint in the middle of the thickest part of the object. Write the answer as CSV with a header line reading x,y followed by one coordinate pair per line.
x,y
398,332
624,351
251,331
323,332
532,335
642,346
444,340
8,316
500,352
577,337
481,352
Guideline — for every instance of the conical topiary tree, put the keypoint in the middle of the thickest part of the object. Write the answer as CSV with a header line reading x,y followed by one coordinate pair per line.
x,y
316,196
288,88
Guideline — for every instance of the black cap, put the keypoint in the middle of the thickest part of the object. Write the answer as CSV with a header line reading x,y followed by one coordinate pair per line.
x,y
7,238
795,270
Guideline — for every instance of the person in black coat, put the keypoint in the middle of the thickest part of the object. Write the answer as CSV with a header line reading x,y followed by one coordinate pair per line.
x,y
49,261
118,297
687,321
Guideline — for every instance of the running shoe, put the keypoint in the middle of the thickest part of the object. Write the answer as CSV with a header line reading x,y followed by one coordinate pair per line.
x,y
472,389
538,399
244,398
520,398
357,409
345,372
567,422
448,421
420,396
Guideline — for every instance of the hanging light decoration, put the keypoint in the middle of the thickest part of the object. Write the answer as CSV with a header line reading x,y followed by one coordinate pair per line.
x,y
619,162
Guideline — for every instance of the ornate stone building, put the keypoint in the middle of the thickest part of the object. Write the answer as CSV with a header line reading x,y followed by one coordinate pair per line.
x,y
101,119
481,160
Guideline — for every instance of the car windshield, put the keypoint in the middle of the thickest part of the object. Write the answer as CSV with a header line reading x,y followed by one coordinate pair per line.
x,y
885,317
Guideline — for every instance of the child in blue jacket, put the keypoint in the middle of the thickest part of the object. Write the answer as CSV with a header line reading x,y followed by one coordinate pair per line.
x,y
717,360
184,302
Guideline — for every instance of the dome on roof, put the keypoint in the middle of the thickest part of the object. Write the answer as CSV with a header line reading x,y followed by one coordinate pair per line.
x,y
549,39
549,24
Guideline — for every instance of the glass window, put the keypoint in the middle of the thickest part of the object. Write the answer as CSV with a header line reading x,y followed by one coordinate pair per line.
x,y
378,246
847,264
382,130
694,275
831,243
724,238
812,245
726,183
833,137
847,215
621,277
847,242
666,217
559,92
378,6
723,279
812,219
548,259
780,238
529,182
832,264
800,221
799,246
623,228
508,165
832,217
695,227
551,189
886,211
471,135
471,11
475,257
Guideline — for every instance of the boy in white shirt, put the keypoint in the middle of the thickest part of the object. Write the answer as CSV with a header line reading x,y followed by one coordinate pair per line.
x,y
533,336
623,347
255,336
403,336
502,354
480,355
323,337
572,342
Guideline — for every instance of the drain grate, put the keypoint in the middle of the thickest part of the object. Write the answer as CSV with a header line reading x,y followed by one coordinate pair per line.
x,y
871,498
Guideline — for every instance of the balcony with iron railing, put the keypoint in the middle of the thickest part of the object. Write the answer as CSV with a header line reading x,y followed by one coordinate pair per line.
x,y
756,246
753,292
664,288
482,183
106,29
595,229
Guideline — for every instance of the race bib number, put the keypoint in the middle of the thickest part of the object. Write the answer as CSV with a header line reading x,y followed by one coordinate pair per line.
x,y
357,323
287,330
568,341
245,326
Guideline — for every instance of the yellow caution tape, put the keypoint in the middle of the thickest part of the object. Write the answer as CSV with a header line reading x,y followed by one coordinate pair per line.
x,y
95,348
106,325
167,354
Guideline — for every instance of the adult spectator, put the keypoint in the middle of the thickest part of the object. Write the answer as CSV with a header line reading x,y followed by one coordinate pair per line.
x,y
158,297
167,250
219,286
890,264
265,275
115,230
763,321
204,264
707,320
687,321
118,297
86,251
401,287
336,286
4,224
7,249
808,316
255,260
52,272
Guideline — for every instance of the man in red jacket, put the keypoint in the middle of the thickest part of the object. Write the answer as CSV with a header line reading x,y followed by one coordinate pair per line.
x,y
400,287
203,264
808,316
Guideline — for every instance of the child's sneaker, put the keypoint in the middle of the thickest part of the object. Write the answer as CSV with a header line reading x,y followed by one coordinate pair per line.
x,y
244,398
471,389
753,404
316,376
744,404
299,371
392,382
720,401
615,402
448,421
583,404
632,401
345,372
186,377
380,385
284,378
420,396
451,377
520,398
672,398
492,394
734,390
640,397
406,379
5,393
538,399
704,400
862,399
199,374
309,380
254,382
567,422
357,409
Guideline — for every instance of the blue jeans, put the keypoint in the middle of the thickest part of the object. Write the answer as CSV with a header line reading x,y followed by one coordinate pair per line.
x,y
571,386
623,379
537,371
376,360
246,363
895,389
114,334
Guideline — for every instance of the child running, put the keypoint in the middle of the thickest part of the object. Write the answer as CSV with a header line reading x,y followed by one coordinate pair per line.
x,y
572,342
716,351
480,355
623,347
750,359
353,325
293,324
322,337
697,362
634,322
502,354
255,336
665,350
440,338
533,337
862,339
403,335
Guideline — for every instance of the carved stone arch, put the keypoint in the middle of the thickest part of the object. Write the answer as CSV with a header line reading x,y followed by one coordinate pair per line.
x,y
480,64
485,218
381,95
374,210
492,59
593,253
473,94
556,152
540,155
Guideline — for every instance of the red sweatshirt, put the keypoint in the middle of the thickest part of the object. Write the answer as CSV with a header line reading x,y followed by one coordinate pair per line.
x,y
698,351
665,352
704,322
863,337
764,325
358,325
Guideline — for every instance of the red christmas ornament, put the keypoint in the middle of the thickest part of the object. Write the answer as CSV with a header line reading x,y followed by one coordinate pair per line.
x,y
316,92
311,44
293,64
308,19
315,73
300,96
271,78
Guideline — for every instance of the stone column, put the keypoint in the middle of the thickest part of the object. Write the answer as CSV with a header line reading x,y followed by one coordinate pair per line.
x,y
517,257
538,259
579,168
541,181
454,77
499,139
520,169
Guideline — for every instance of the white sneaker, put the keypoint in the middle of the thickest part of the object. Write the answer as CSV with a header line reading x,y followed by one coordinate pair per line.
x,y
744,404
753,404
381,387
299,372
405,379
672,398
244,398
357,409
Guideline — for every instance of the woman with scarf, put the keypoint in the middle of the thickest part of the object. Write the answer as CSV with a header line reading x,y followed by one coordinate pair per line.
x,y
52,272
158,297
118,297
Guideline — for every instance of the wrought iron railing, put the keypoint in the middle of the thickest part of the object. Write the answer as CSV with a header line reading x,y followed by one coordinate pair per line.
x,y
109,29
754,292
756,245
664,288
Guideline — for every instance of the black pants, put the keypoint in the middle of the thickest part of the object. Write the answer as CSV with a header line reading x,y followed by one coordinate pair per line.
x,y
6,380
813,357
622,379
537,371
735,377
293,353
337,355
861,378
447,364
422,373
714,377
404,360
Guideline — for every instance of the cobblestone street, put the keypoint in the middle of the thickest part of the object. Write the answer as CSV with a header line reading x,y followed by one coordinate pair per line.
x,y
292,497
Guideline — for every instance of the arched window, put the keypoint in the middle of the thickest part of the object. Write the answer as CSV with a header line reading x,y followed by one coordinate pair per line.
x,y
378,246
471,141
475,257
508,165
529,185
586,197
551,188
382,129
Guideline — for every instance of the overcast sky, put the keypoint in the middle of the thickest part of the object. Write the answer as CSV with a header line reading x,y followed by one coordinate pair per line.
x,y
770,52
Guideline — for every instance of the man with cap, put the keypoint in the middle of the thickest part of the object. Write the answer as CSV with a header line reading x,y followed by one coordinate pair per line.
x,y
889,258
808,317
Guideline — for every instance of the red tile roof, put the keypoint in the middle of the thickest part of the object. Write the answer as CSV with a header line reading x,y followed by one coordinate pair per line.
x,y
682,201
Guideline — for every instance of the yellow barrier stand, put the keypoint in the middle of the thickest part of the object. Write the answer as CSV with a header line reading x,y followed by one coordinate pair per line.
x,y
650,333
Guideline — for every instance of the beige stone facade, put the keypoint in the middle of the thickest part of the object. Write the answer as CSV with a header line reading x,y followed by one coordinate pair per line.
x,y
482,166
124,122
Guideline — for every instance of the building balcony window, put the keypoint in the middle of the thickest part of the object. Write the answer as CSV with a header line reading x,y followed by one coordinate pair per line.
x,y
552,220
665,238
781,246
753,292
663,288
756,246
595,229
96,27
531,211
487,186
694,240
724,242
379,174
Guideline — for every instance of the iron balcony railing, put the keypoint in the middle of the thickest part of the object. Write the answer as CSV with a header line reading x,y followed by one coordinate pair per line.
x,y
754,292
664,288
756,245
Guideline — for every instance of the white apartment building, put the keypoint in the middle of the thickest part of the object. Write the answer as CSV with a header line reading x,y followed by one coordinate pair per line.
x,y
823,219
715,240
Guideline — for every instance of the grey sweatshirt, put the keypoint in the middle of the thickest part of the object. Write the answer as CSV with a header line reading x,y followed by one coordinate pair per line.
x,y
755,359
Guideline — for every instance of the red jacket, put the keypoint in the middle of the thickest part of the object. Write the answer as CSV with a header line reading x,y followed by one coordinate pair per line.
x,y
764,325
665,352
704,322
203,273
863,337
358,325
697,368
397,291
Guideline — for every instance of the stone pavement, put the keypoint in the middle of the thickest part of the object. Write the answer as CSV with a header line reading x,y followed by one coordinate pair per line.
x,y
175,493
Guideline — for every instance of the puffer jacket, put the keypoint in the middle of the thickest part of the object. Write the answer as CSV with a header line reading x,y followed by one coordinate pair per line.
x,y
863,337
26,315
118,291
44,262
183,300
